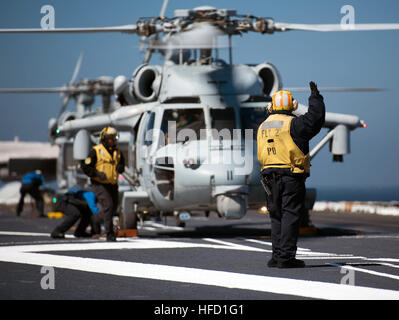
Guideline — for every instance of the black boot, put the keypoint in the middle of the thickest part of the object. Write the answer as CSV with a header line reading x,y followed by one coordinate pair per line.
x,y
111,237
57,235
292,263
272,263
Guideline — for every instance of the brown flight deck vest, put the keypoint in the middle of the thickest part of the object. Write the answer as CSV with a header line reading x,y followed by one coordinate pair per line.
x,y
107,163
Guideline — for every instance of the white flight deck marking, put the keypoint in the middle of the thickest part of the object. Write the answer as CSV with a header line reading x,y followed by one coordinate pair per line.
x,y
160,225
28,254
311,289
384,259
267,243
34,234
304,253
307,254
235,246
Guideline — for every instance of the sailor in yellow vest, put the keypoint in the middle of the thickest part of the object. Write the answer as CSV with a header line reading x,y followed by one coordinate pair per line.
x,y
283,151
103,165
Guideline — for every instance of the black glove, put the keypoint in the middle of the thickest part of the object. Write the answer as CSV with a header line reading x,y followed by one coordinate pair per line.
x,y
101,175
313,88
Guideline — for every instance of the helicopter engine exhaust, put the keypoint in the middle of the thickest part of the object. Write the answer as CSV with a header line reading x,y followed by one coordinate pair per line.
x,y
270,77
146,83
122,90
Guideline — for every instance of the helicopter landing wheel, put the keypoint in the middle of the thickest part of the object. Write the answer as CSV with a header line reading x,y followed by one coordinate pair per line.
x,y
180,223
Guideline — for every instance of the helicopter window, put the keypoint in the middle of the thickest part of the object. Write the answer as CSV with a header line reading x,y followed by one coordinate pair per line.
x,y
179,125
222,120
148,129
251,118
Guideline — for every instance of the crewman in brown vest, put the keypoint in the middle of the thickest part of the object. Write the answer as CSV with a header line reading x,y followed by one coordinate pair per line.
x,y
103,165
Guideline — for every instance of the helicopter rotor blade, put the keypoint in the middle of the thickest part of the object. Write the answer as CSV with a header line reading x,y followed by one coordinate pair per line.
x,y
77,68
163,9
282,26
73,79
64,105
131,28
334,89
39,90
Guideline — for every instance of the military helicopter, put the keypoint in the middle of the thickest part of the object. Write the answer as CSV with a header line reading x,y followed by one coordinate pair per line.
x,y
188,127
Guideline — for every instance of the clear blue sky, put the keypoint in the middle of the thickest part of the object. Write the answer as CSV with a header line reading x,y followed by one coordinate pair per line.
x,y
353,59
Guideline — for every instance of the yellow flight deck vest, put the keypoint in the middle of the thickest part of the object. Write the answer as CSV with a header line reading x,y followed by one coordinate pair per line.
x,y
277,149
107,164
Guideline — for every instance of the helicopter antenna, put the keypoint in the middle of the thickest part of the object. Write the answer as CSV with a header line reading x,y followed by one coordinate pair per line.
x,y
230,51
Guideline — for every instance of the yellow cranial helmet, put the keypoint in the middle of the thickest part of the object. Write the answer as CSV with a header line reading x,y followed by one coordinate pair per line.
x,y
283,101
108,132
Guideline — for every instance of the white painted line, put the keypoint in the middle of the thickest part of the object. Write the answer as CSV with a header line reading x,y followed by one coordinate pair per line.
x,y
384,259
277,285
312,289
125,244
329,257
315,253
389,265
266,243
235,246
30,234
162,226
373,264
148,228
371,237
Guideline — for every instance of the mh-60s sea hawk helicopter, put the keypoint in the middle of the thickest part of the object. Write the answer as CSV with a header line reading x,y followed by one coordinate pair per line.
x,y
187,127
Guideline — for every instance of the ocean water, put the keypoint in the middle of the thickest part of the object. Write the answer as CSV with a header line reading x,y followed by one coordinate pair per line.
x,y
383,194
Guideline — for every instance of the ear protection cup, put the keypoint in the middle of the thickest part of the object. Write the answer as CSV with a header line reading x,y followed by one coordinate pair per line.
x,y
294,104
269,107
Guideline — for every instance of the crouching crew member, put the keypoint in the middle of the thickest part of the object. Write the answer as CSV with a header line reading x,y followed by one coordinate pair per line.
x,y
283,152
77,203
32,183
103,165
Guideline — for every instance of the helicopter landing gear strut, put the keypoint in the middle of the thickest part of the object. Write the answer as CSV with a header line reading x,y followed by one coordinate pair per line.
x,y
129,220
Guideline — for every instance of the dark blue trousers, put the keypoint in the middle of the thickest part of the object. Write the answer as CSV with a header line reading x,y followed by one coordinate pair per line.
x,y
286,208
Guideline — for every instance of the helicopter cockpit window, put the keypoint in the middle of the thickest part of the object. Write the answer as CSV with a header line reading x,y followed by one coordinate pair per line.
x,y
179,125
251,118
223,122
